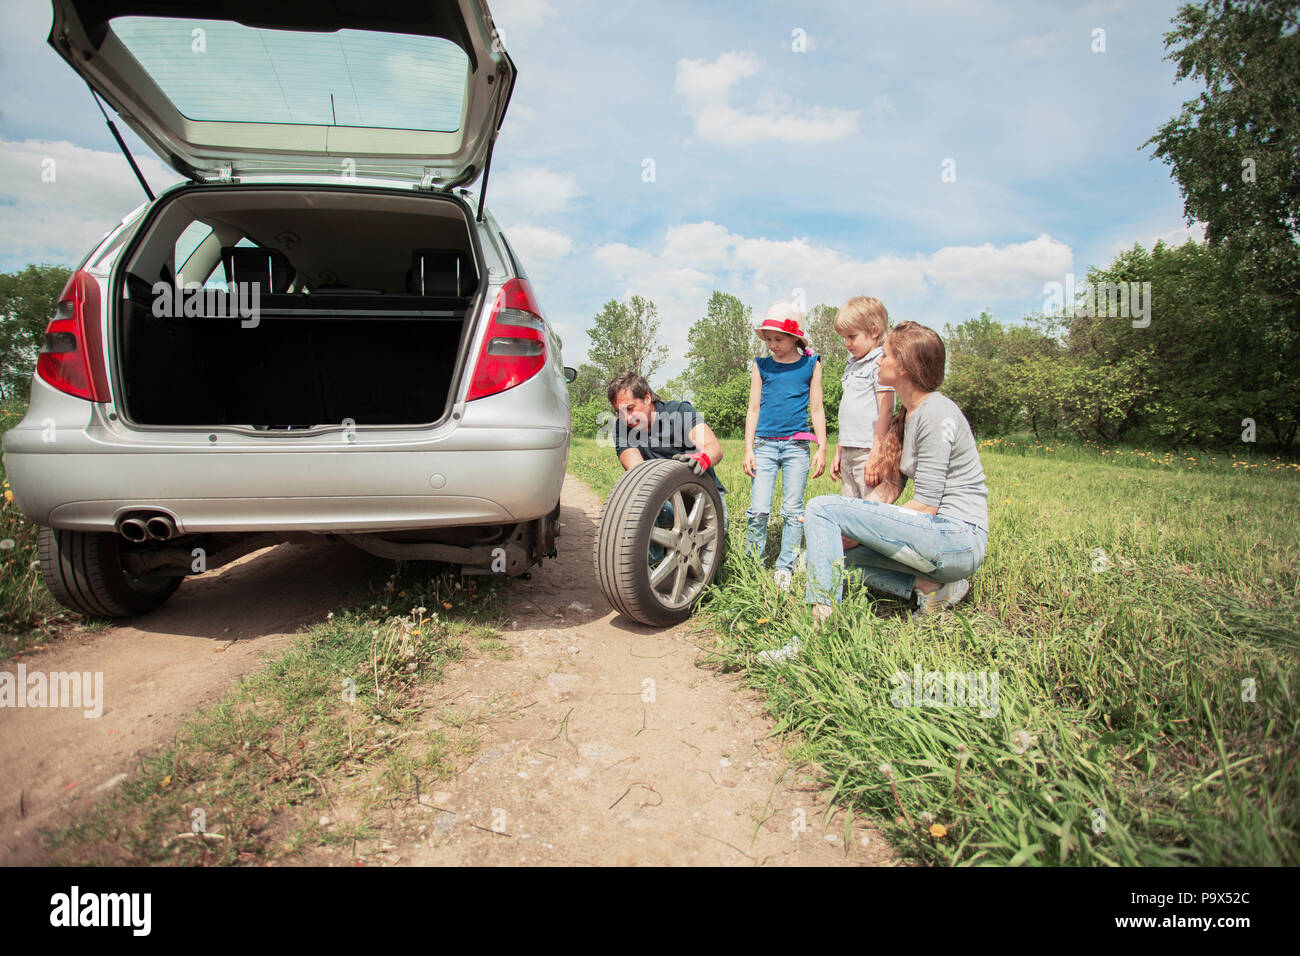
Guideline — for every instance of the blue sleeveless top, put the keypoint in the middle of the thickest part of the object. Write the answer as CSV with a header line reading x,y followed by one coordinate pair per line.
x,y
783,403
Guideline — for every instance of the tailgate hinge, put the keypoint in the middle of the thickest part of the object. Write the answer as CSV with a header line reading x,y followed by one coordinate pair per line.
x,y
430,179
225,174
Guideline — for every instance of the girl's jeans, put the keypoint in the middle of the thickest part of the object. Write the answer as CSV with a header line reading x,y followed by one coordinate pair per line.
x,y
790,458
897,544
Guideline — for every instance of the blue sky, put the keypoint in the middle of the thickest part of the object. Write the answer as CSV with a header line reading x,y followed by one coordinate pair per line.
x,y
775,169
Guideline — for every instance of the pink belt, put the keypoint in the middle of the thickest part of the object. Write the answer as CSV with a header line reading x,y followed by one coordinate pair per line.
x,y
797,436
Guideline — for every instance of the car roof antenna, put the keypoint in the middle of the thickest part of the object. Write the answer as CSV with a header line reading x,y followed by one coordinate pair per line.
x,y
125,152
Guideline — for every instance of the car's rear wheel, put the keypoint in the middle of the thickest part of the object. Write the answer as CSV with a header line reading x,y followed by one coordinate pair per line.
x,y
84,572
660,542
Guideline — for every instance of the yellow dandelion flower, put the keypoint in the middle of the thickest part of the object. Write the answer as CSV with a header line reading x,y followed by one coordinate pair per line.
x,y
938,831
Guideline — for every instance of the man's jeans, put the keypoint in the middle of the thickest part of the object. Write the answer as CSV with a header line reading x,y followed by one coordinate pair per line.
x,y
790,458
897,545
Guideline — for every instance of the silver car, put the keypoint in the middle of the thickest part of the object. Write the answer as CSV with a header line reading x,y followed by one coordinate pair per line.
x,y
319,332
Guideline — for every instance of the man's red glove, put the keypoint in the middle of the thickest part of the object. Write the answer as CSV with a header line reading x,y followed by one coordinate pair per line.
x,y
698,462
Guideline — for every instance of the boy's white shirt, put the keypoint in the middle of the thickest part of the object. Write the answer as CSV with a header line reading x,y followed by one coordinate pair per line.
x,y
863,412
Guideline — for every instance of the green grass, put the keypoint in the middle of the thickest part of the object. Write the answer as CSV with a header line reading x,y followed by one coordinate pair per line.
x,y
336,720
1123,689
28,614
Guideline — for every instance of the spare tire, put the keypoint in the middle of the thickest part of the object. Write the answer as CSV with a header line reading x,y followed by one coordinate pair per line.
x,y
660,543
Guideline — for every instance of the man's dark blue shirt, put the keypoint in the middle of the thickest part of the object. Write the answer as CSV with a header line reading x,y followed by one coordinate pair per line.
x,y
669,434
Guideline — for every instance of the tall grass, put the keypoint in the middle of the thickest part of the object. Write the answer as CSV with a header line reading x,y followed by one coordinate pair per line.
x,y
28,614
1143,620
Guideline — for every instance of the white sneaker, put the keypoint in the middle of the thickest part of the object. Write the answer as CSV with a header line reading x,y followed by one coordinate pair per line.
x,y
783,579
946,596
781,654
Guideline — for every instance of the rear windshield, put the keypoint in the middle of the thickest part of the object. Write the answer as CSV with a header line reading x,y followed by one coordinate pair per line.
x,y
217,70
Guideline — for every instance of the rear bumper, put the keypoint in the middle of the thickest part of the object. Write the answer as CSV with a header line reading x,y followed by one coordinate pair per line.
x,y
327,491
87,478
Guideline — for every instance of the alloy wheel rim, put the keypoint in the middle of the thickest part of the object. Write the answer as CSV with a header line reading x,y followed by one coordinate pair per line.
x,y
690,547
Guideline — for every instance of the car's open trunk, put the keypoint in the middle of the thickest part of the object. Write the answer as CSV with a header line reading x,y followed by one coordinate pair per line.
x,y
361,299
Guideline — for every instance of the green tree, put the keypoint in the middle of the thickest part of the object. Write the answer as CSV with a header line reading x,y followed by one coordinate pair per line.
x,y
1233,150
589,384
722,343
27,302
993,369
819,323
1208,351
625,338
724,405
587,416
833,387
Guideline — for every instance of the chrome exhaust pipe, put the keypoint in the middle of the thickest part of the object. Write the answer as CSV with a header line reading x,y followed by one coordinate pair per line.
x,y
133,529
161,528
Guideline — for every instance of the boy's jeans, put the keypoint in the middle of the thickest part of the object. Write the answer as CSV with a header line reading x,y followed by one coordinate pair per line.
x,y
897,544
790,458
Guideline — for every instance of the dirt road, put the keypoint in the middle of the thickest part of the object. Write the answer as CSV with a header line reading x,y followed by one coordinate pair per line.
x,y
602,741
54,762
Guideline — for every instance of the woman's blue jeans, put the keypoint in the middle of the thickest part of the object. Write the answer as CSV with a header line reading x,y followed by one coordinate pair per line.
x,y
790,458
896,545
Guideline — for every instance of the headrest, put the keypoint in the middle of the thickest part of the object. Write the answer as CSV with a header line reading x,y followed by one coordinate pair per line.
x,y
267,268
441,272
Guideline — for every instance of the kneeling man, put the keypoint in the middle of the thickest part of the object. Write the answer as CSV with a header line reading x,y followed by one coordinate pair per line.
x,y
649,427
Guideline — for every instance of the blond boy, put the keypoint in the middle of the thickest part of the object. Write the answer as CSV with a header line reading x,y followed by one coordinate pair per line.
x,y
867,406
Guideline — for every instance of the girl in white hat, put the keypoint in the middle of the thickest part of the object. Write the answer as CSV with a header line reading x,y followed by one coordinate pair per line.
x,y
783,389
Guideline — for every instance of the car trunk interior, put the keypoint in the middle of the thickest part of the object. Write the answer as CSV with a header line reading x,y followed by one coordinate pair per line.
x,y
283,309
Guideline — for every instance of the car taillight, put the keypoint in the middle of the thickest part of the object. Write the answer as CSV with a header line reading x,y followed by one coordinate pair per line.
x,y
514,347
72,359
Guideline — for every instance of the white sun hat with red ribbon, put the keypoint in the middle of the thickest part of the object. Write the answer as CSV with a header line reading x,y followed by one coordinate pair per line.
x,y
785,317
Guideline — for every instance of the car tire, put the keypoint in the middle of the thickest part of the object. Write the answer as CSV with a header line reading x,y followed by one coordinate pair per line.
x,y
661,590
83,570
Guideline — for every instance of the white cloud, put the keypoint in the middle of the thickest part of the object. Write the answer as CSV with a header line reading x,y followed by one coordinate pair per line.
x,y
701,256
60,221
533,190
537,246
1039,45
519,14
706,86
1173,237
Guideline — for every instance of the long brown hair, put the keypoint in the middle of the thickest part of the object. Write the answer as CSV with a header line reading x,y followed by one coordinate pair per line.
x,y
919,351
